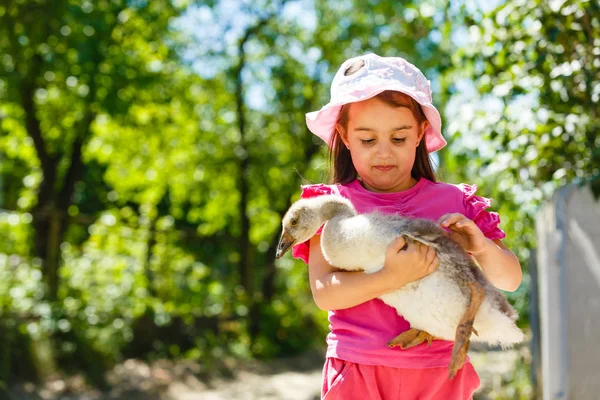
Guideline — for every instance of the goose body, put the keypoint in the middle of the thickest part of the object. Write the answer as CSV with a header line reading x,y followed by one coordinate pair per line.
x,y
435,304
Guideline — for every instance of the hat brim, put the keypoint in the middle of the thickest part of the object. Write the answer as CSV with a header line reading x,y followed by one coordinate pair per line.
x,y
322,122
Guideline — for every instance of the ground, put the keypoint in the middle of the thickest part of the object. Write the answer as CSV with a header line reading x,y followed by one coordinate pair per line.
x,y
294,378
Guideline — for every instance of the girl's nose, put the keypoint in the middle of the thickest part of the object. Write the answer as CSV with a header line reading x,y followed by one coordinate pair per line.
x,y
383,150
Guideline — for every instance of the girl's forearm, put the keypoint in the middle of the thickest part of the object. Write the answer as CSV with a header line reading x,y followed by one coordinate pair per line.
x,y
500,266
343,289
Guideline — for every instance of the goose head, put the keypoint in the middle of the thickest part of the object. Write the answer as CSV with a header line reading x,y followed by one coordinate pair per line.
x,y
306,216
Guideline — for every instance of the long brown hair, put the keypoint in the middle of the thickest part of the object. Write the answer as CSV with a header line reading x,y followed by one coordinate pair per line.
x,y
340,161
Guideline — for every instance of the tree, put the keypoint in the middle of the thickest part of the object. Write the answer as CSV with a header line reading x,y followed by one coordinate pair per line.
x,y
66,67
530,123
291,63
66,63
160,164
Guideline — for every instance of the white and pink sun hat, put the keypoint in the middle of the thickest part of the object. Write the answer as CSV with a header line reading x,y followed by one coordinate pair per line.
x,y
378,74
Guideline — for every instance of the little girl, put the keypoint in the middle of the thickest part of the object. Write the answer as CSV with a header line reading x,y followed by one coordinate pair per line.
x,y
380,126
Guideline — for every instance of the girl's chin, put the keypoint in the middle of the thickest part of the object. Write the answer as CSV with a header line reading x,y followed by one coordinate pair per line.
x,y
385,184
380,186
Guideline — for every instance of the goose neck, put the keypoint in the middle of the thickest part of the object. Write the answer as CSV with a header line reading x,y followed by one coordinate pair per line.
x,y
337,209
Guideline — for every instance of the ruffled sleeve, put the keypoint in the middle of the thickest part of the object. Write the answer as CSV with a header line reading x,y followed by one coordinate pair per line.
x,y
475,207
302,250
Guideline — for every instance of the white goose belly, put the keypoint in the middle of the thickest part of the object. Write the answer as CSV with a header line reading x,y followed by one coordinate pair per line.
x,y
433,304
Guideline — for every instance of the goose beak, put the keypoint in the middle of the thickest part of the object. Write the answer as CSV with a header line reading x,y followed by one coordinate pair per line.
x,y
285,243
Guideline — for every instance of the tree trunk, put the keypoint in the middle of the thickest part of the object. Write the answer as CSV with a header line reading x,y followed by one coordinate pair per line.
x,y
246,265
148,264
56,225
270,273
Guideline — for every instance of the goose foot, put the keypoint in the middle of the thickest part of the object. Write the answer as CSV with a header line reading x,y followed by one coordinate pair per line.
x,y
465,328
411,338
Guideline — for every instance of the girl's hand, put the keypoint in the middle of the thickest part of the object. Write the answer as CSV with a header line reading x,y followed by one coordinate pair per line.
x,y
408,262
465,232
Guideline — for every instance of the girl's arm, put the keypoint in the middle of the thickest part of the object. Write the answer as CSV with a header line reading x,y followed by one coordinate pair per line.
x,y
499,264
334,289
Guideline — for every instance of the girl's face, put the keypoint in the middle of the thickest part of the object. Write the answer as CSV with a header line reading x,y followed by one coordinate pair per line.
x,y
383,141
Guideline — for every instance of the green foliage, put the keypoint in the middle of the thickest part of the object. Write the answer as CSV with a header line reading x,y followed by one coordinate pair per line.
x,y
149,256
533,120
512,384
169,158
523,112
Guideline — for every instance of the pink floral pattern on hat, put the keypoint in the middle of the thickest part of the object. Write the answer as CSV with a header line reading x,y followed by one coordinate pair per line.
x,y
377,75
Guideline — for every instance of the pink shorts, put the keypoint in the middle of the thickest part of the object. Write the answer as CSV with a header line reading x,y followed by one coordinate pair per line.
x,y
346,380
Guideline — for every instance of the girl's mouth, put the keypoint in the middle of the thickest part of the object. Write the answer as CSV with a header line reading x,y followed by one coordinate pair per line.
x,y
384,168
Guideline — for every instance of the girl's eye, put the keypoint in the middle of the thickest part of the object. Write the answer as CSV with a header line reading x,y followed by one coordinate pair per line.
x,y
370,141
399,140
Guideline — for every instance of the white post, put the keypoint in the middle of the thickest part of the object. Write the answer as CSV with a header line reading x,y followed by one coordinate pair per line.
x,y
551,314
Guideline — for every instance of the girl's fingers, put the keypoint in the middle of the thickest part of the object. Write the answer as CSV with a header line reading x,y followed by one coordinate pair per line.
x,y
427,253
455,236
443,218
430,254
432,265
432,260
424,249
398,245
435,264
434,257
462,225
448,219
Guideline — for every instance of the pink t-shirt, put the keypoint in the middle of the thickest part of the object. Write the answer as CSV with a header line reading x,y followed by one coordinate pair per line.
x,y
359,334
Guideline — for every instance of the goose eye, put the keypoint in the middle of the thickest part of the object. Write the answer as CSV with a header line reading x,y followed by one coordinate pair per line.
x,y
294,222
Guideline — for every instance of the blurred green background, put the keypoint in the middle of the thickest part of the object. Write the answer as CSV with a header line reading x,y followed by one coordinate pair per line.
x,y
149,148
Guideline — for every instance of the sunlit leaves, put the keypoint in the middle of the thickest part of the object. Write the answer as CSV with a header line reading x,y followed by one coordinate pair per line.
x,y
538,61
528,122
155,216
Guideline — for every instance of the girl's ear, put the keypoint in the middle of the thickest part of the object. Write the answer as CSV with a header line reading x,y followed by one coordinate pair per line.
x,y
342,133
424,127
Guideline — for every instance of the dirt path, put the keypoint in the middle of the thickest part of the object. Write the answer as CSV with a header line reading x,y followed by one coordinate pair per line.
x,y
295,378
